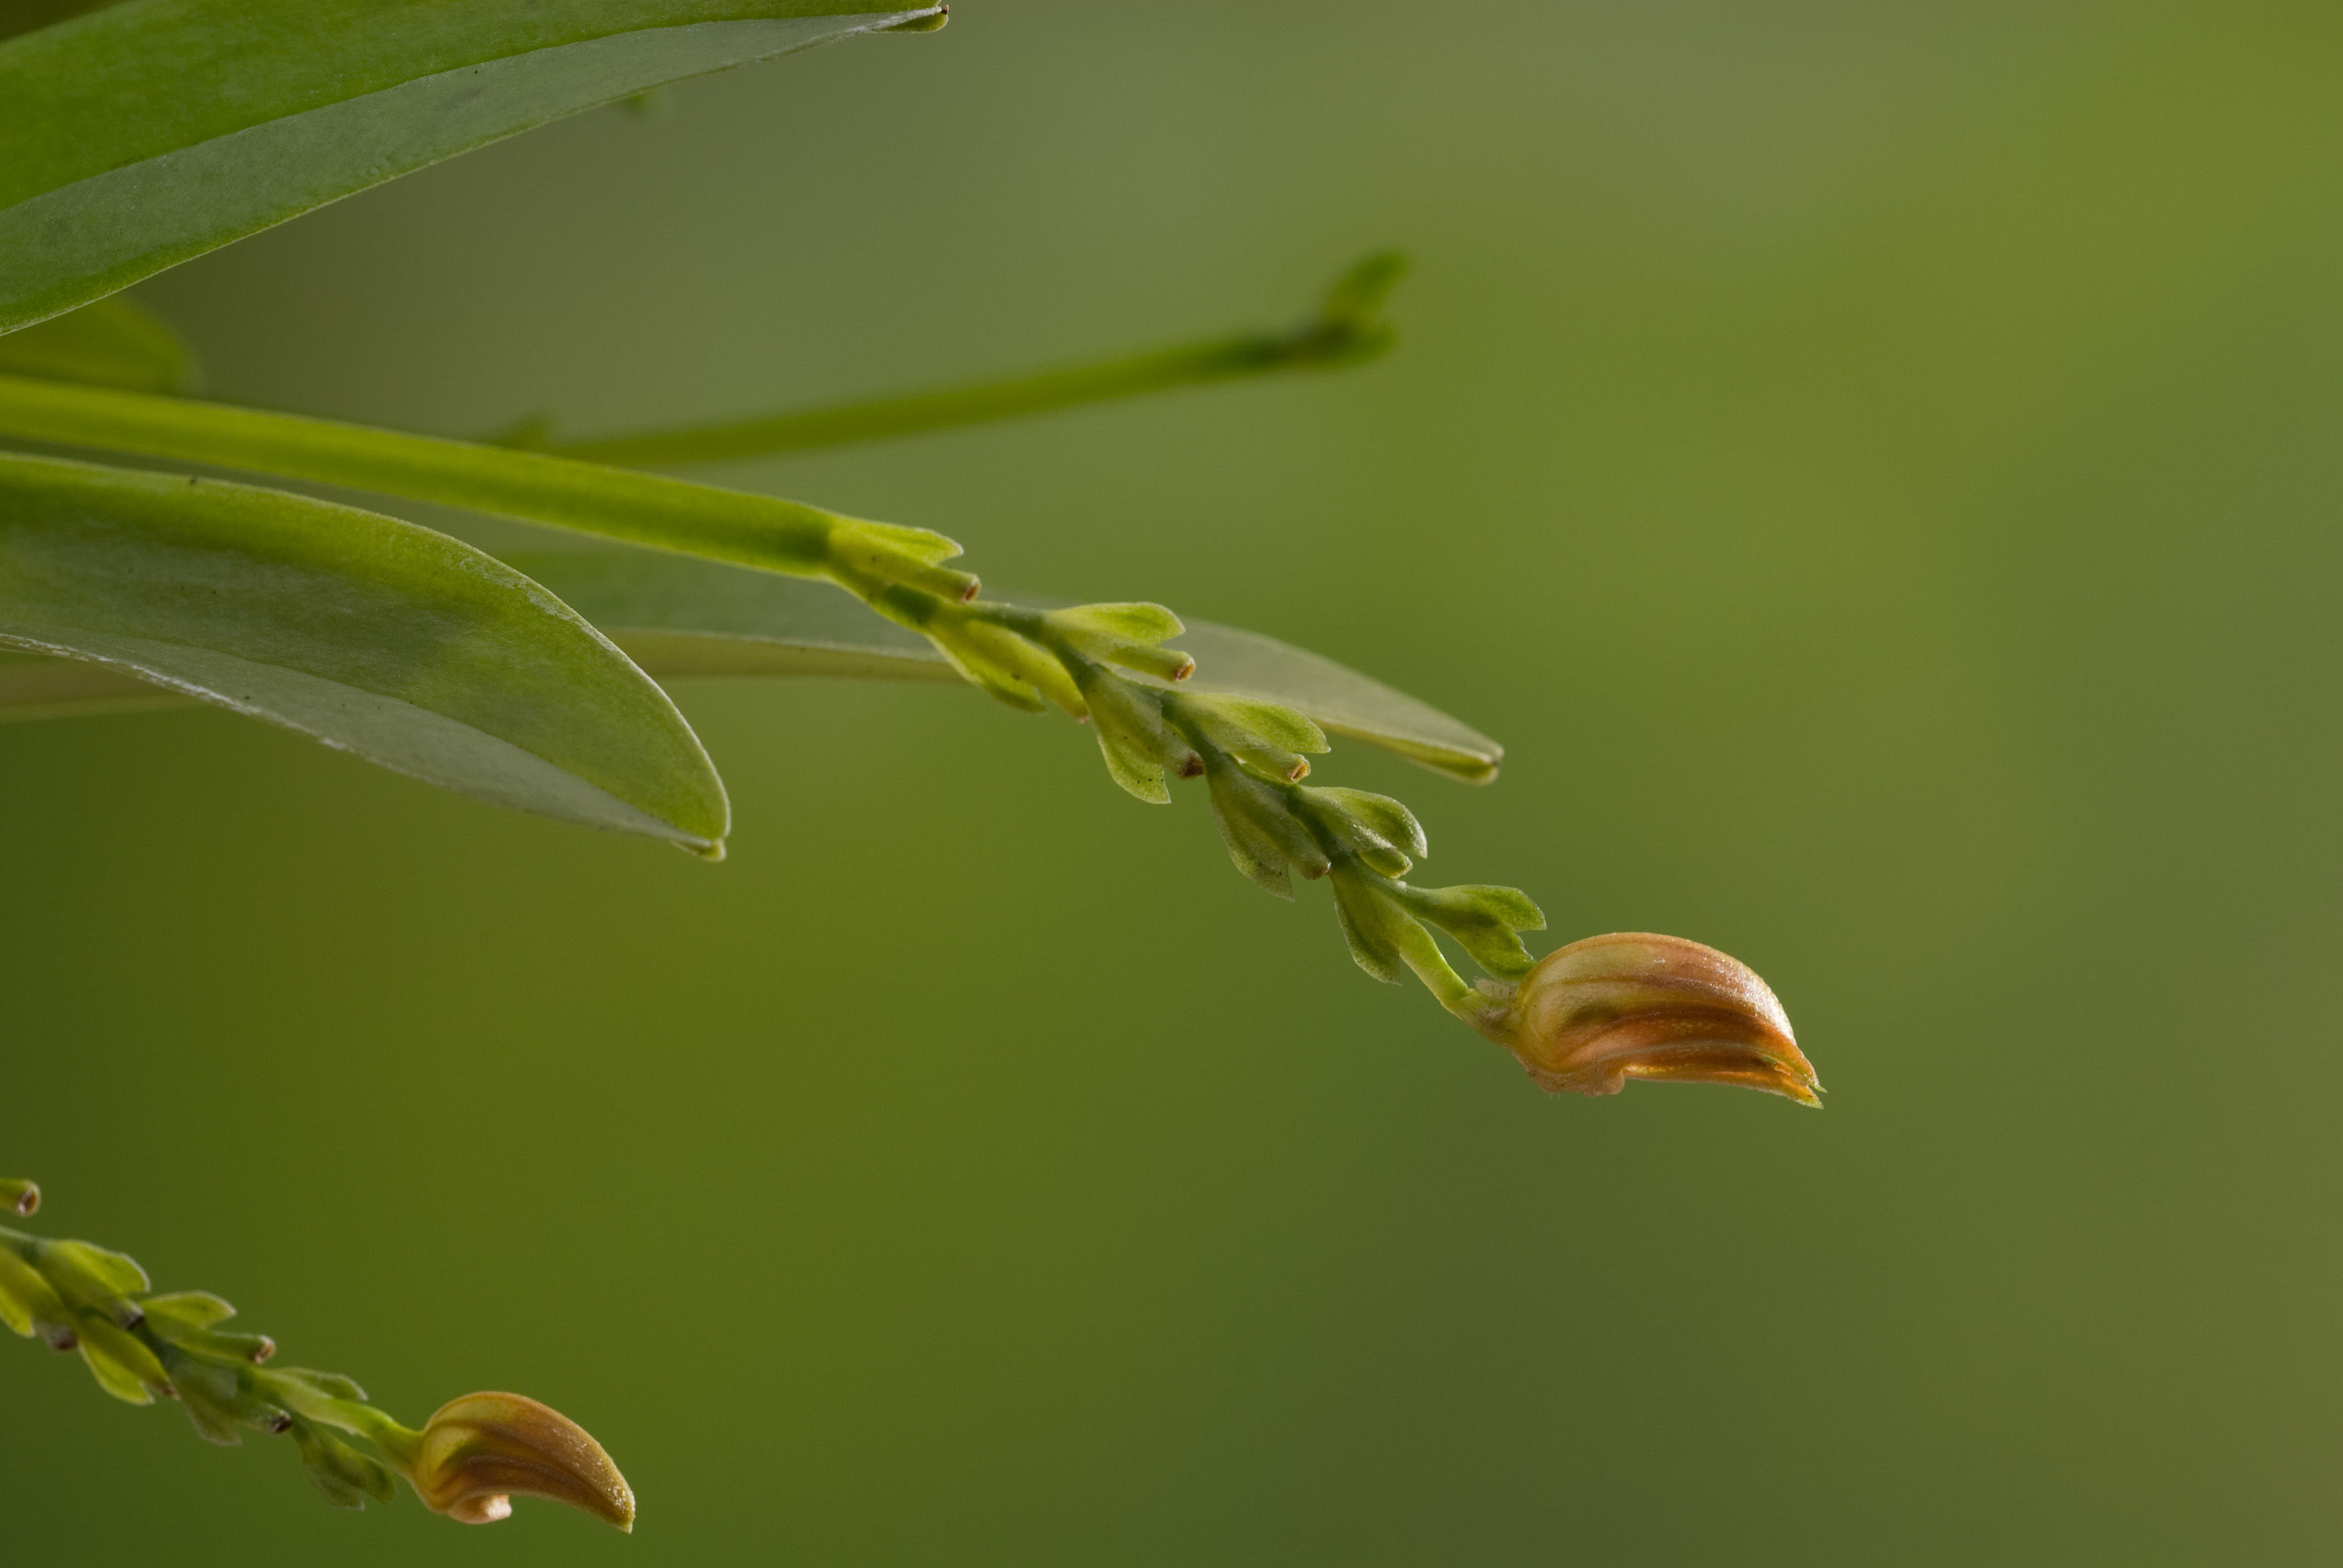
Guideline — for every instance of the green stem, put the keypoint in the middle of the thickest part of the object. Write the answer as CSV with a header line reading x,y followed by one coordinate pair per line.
x,y
1343,331
751,530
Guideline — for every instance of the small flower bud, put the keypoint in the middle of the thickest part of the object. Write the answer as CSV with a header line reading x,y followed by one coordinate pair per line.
x,y
480,1450
95,1279
122,1364
342,1475
1134,739
1376,827
906,555
185,1320
1006,665
1268,842
19,1197
1101,623
1486,921
1598,1013
31,1305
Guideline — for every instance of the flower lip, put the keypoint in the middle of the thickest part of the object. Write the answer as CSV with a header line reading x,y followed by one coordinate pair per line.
x,y
478,1452
1637,1004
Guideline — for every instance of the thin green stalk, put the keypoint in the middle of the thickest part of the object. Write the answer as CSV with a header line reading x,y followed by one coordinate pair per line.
x,y
732,526
1344,330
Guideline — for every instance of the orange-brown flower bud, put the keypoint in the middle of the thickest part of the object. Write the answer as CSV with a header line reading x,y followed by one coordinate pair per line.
x,y
477,1451
1634,1004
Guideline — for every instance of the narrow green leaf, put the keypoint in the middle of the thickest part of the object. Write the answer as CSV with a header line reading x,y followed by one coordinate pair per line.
x,y
126,153
1339,699
378,636
111,341
684,616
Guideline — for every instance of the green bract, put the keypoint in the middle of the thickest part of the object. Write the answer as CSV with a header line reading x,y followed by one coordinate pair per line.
x,y
146,133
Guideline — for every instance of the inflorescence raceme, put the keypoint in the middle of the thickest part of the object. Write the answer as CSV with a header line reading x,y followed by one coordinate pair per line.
x,y
1108,664
469,1460
1585,1019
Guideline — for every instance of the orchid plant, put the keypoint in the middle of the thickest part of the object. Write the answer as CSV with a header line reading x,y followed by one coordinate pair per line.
x,y
530,679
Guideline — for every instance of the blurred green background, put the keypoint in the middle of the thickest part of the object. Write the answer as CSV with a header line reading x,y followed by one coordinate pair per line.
x,y
1876,465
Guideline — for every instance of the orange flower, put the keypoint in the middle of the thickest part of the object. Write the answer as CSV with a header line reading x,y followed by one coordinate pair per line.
x,y
1634,1004
475,1452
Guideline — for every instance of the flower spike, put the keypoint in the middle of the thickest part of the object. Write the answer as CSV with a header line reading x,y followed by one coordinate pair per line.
x,y
469,1462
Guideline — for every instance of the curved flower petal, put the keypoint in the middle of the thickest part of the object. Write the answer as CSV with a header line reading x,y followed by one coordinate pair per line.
x,y
1637,1004
478,1452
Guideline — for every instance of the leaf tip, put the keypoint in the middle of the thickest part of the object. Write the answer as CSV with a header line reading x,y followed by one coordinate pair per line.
x,y
933,20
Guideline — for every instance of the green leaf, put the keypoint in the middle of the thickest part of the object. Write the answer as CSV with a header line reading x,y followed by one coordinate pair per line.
x,y
144,133
1339,699
110,343
24,16
378,636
